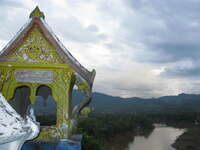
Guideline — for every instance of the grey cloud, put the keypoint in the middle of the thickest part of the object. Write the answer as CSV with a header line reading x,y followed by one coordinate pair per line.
x,y
167,8
8,24
170,52
124,88
169,31
149,32
92,28
181,72
178,51
177,20
72,29
11,3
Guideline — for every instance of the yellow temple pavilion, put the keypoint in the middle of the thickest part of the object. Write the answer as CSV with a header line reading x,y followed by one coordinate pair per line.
x,y
34,58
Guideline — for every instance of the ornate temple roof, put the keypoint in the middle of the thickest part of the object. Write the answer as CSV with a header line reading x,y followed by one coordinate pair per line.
x,y
37,19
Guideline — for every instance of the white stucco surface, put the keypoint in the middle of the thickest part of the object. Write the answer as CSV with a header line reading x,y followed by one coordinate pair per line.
x,y
15,130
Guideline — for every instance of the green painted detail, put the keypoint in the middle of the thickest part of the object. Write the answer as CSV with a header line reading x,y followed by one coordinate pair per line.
x,y
51,133
33,88
61,87
35,65
5,76
83,86
37,13
46,131
36,48
86,111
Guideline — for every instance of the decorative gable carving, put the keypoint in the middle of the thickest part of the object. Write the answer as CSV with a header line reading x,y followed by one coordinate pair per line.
x,y
36,48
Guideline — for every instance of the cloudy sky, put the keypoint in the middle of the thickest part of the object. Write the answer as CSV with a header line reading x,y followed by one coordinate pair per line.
x,y
145,48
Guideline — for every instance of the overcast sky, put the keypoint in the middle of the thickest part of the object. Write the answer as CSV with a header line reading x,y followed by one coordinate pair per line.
x,y
145,48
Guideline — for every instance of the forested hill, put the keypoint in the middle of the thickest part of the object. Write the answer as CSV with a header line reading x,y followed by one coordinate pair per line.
x,y
168,104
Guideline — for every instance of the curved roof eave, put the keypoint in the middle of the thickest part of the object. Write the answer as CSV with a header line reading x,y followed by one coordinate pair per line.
x,y
70,60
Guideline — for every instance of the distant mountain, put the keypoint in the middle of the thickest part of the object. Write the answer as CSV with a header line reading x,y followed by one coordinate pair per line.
x,y
42,107
103,103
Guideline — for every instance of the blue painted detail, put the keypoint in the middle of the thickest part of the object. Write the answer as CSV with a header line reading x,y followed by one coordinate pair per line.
x,y
64,145
57,145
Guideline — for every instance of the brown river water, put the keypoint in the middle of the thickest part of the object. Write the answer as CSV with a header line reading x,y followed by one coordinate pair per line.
x,y
160,139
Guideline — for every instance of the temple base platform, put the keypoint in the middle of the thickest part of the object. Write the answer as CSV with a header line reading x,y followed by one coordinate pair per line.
x,y
62,144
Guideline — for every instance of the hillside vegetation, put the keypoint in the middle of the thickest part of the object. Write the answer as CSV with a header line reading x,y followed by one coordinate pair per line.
x,y
103,103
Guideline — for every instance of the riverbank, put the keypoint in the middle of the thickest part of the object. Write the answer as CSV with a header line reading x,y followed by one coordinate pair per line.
x,y
189,140
121,141
111,131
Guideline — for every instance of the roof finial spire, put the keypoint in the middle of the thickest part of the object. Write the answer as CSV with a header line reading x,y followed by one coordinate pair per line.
x,y
37,13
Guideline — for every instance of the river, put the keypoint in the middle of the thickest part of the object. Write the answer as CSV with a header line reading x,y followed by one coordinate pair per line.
x,y
160,139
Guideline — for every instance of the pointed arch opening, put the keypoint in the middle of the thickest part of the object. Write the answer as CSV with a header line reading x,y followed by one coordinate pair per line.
x,y
45,106
21,100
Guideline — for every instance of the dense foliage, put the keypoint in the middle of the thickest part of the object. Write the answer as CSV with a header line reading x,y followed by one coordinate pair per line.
x,y
167,104
176,119
101,127
46,120
188,140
